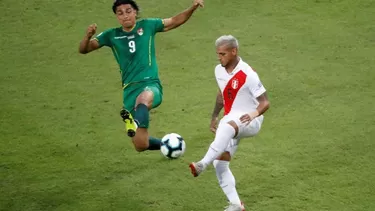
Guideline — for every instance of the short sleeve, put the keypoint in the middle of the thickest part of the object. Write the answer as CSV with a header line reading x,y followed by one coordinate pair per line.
x,y
255,85
156,24
216,72
104,38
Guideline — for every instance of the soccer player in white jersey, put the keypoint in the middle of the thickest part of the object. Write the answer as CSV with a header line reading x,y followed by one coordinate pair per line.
x,y
244,100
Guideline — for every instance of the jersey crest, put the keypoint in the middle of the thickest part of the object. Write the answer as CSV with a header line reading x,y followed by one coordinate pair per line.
x,y
140,31
231,90
235,83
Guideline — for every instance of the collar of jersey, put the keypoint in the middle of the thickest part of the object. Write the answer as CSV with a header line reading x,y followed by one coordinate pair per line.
x,y
135,25
235,70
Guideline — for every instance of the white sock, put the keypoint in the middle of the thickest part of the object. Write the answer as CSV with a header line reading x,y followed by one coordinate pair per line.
x,y
224,134
226,181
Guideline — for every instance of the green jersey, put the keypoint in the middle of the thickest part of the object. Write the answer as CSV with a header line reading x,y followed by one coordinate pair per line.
x,y
135,50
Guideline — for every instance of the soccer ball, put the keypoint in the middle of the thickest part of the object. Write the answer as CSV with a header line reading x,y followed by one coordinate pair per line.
x,y
172,146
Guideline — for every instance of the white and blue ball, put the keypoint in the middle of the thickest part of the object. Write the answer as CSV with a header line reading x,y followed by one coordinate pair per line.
x,y
172,146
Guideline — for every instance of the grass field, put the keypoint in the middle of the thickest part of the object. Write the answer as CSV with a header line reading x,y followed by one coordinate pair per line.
x,y
62,141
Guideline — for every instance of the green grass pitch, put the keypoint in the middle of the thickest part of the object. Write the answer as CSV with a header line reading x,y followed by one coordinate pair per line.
x,y
62,143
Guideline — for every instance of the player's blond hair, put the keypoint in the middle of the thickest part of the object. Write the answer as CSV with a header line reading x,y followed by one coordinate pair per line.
x,y
228,40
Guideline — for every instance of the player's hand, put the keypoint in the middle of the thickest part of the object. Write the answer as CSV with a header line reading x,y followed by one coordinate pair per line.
x,y
198,3
213,125
246,118
91,30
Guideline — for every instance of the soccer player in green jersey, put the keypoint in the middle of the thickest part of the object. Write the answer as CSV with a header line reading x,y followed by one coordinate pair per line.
x,y
133,47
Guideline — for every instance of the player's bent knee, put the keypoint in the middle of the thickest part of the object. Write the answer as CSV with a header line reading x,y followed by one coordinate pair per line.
x,y
225,156
140,147
235,126
140,140
220,164
146,97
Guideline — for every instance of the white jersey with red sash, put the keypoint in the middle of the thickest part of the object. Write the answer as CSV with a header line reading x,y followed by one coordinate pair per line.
x,y
240,88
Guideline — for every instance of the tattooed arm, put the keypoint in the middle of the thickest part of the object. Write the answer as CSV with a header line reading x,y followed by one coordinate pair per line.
x,y
215,114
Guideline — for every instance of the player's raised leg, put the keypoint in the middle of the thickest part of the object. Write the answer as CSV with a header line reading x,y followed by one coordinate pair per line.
x,y
224,134
148,99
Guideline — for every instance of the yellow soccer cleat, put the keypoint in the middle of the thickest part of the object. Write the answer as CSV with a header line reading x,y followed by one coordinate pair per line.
x,y
130,125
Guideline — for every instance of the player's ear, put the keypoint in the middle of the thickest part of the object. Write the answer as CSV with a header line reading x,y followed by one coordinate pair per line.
x,y
234,51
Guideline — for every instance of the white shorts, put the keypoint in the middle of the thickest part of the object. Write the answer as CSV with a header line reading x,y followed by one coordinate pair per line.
x,y
244,130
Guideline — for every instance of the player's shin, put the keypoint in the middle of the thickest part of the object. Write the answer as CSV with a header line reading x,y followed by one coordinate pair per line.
x,y
226,181
224,134
142,116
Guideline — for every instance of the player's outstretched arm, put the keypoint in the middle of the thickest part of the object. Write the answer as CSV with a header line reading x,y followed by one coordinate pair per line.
x,y
178,20
263,106
87,44
215,114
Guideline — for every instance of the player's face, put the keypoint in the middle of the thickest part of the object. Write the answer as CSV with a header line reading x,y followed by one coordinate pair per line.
x,y
226,54
126,15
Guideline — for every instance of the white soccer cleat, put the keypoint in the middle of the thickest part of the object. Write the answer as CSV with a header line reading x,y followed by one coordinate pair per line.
x,y
197,168
235,207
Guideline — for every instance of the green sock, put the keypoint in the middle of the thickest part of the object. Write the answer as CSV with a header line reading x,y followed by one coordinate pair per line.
x,y
154,143
142,116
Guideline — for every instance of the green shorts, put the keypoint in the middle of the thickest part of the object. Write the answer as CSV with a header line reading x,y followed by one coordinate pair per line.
x,y
131,92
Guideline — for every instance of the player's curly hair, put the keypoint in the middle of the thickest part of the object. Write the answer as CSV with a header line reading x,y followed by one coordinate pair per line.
x,y
117,3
